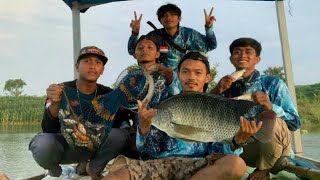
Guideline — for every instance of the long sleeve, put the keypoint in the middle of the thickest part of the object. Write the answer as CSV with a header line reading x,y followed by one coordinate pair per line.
x,y
49,124
132,43
277,91
200,42
282,104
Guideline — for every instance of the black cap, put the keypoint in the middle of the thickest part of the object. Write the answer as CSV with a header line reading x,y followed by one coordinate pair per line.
x,y
92,50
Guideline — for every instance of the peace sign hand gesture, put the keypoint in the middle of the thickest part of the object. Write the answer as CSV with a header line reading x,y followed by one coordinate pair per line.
x,y
209,18
135,24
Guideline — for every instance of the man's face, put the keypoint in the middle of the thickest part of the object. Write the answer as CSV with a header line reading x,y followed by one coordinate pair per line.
x,y
193,75
90,68
146,53
244,57
170,20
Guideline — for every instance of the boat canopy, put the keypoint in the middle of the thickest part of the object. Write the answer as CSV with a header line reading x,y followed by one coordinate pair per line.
x,y
86,4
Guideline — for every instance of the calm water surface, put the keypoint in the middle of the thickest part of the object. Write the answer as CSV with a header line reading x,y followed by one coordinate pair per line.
x,y
17,162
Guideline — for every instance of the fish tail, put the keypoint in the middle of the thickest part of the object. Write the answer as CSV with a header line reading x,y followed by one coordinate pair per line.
x,y
268,118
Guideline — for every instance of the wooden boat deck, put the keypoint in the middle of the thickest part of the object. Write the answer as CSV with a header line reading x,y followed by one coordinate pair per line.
x,y
283,175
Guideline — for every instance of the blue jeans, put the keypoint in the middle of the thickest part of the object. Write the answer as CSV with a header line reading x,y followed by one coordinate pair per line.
x,y
50,150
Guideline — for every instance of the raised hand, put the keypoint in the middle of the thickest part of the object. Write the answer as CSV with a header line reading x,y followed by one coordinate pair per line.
x,y
209,19
145,117
54,92
224,84
135,24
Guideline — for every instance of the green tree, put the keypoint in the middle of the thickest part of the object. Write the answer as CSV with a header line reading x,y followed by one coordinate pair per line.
x,y
14,87
213,72
275,71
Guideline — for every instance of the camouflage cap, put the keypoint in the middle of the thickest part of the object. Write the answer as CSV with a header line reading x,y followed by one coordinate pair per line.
x,y
92,50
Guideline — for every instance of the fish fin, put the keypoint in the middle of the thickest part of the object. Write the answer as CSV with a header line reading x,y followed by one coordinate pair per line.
x,y
268,118
185,129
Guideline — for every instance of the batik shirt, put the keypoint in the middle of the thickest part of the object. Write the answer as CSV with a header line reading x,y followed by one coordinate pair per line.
x,y
80,106
277,91
186,38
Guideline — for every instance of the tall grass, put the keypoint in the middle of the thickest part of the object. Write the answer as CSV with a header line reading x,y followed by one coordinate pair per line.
x,y
21,110
29,109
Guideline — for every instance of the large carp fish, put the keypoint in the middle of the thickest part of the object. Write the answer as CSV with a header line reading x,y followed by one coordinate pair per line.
x,y
203,117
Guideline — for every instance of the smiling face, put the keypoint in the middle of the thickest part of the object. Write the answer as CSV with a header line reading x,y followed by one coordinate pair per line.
x,y
193,75
244,57
90,68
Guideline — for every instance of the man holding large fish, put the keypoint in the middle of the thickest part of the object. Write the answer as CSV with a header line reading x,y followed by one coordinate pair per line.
x,y
269,92
172,158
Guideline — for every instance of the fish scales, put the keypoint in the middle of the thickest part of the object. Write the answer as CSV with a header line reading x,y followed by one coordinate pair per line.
x,y
201,117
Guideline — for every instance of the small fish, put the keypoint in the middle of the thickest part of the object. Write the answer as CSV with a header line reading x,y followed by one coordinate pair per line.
x,y
202,117
246,96
238,74
67,113
70,121
62,114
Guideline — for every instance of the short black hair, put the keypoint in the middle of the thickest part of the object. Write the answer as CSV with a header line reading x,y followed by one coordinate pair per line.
x,y
243,42
166,8
150,38
197,56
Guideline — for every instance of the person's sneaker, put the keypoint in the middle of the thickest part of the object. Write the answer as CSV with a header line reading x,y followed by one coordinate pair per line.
x,y
81,169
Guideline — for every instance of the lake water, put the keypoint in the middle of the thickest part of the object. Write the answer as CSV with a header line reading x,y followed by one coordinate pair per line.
x,y
17,162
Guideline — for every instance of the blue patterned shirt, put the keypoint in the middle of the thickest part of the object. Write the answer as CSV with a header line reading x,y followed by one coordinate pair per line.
x,y
186,38
277,91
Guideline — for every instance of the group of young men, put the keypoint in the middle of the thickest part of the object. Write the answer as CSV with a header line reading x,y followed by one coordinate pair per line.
x,y
178,54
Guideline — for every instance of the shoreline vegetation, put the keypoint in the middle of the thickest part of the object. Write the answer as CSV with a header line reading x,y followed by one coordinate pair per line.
x,y
28,110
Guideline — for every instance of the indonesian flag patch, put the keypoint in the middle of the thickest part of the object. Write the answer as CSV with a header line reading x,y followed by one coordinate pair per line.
x,y
164,49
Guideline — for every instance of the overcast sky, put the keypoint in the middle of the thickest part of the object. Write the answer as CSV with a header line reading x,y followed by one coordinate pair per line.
x,y
36,36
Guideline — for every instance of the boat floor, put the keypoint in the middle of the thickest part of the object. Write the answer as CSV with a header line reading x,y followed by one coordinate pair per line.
x,y
283,175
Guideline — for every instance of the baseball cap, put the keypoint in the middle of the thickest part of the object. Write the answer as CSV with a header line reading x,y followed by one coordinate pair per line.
x,y
92,50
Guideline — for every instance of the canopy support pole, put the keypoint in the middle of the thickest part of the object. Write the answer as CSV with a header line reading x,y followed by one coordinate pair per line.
x,y
76,35
288,66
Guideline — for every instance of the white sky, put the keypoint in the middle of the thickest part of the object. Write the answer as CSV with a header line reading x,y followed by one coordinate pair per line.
x,y
36,36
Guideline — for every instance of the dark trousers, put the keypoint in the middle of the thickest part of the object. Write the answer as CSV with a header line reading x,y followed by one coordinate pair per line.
x,y
50,150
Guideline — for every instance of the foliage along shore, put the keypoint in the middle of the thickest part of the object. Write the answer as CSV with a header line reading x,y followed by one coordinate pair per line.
x,y
29,109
